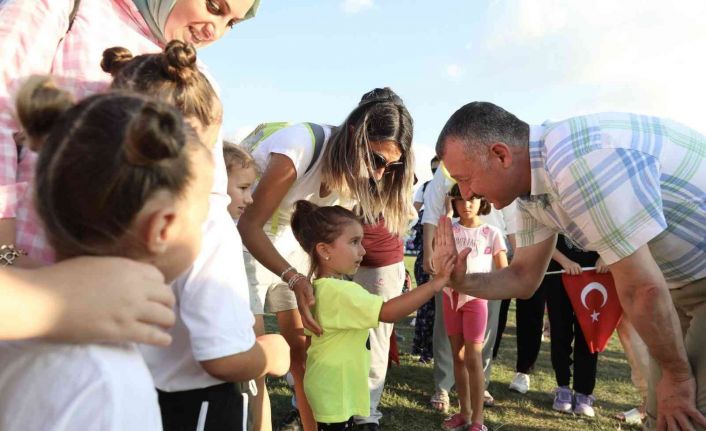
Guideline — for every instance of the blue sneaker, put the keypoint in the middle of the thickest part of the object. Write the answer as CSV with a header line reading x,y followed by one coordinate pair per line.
x,y
584,405
562,399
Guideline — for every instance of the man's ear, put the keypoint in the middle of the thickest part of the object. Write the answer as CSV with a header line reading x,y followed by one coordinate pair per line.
x,y
159,230
501,152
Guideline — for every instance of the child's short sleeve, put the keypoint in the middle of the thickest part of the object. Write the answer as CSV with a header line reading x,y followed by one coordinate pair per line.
x,y
497,241
346,305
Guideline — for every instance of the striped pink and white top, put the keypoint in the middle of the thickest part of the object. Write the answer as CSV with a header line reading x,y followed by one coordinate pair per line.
x,y
33,40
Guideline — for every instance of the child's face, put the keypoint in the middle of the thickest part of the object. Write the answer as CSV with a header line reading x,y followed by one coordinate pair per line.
x,y
240,181
191,211
467,210
346,252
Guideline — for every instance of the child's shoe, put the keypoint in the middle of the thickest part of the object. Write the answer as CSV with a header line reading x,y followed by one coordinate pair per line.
x,y
478,427
520,383
455,423
584,405
562,399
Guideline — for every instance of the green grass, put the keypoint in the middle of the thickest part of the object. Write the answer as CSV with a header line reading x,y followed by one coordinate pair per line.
x,y
408,388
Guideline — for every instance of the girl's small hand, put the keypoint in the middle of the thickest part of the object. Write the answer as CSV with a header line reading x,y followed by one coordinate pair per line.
x,y
601,267
446,269
305,300
571,267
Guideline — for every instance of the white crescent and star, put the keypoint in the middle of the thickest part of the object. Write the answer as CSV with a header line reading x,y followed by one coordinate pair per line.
x,y
588,289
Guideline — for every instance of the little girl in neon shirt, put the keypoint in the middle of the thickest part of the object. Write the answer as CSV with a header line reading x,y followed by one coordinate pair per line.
x,y
336,378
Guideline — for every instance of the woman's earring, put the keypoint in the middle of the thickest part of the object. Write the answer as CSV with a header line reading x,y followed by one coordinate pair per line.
x,y
327,257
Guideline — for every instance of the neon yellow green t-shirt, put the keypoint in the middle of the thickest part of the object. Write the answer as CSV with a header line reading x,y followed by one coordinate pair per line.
x,y
338,362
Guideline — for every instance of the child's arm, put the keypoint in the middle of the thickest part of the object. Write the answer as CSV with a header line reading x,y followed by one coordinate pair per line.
x,y
269,355
399,307
500,259
571,267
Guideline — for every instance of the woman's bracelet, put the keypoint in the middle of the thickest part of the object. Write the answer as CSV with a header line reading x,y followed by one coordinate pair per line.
x,y
281,276
293,280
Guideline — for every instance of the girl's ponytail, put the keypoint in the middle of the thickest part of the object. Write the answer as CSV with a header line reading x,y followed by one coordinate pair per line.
x,y
115,59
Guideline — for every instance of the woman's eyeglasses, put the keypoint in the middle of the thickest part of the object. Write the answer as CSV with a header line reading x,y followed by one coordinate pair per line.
x,y
380,162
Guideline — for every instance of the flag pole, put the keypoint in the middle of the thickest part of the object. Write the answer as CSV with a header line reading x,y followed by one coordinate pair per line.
x,y
588,268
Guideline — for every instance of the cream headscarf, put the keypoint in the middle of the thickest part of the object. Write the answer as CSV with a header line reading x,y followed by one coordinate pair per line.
x,y
156,12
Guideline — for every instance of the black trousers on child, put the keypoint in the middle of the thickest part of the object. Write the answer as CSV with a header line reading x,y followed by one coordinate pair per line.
x,y
215,408
565,329
337,426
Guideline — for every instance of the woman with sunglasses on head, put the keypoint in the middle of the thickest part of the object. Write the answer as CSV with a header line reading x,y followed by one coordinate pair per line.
x,y
366,163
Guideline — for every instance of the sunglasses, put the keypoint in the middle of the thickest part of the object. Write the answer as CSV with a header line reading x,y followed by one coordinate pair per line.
x,y
380,162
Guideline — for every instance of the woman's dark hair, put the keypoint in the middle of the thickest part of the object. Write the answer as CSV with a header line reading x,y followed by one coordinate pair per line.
x,y
455,194
172,76
380,116
312,224
100,160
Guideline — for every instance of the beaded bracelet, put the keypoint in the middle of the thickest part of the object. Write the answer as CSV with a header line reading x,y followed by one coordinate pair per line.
x,y
294,280
281,276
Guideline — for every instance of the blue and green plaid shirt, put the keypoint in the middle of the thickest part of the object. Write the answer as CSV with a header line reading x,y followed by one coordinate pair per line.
x,y
613,182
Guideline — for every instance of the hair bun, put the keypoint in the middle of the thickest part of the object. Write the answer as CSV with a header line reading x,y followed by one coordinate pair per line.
x,y
155,134
114,59
39,105
384,94
180,60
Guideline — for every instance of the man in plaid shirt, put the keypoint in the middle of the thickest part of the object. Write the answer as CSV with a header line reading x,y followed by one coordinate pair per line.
x,y
627,186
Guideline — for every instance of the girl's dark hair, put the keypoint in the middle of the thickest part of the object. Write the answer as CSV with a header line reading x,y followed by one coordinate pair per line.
x,y
172,76
236,157
380,116
100,160
312,224
455,193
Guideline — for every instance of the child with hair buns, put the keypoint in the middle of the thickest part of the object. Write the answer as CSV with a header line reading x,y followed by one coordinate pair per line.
x,y
338,362
214,343
121,175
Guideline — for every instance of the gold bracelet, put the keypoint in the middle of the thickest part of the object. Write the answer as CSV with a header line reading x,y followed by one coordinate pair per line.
x,y
9,253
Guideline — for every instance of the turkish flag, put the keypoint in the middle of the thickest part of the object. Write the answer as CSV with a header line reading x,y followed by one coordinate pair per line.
x,y
596,306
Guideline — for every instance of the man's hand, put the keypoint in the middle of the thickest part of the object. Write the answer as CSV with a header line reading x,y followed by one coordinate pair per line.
x,y
676,401
445,250
305,300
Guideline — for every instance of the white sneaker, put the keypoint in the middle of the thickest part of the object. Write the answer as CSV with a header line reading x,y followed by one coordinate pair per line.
x,y
521,383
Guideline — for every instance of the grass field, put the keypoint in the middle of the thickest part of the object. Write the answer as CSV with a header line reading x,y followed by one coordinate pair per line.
x,y
408,388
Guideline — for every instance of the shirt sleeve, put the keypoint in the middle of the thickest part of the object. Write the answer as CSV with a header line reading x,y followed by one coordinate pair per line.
x,y
529,230
510,217
614,198
497,242
29,34
295,142
435,197
214,304
347,305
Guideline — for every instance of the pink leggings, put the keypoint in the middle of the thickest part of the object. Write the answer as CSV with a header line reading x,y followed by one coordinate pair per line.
x,y
470,320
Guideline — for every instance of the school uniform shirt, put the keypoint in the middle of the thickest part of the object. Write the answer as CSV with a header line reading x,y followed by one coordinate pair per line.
x,y
338,362
69,387
213,312
613,182
485,242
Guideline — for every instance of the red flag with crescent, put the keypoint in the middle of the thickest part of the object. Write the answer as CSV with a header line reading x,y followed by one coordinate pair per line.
x,y
596,306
